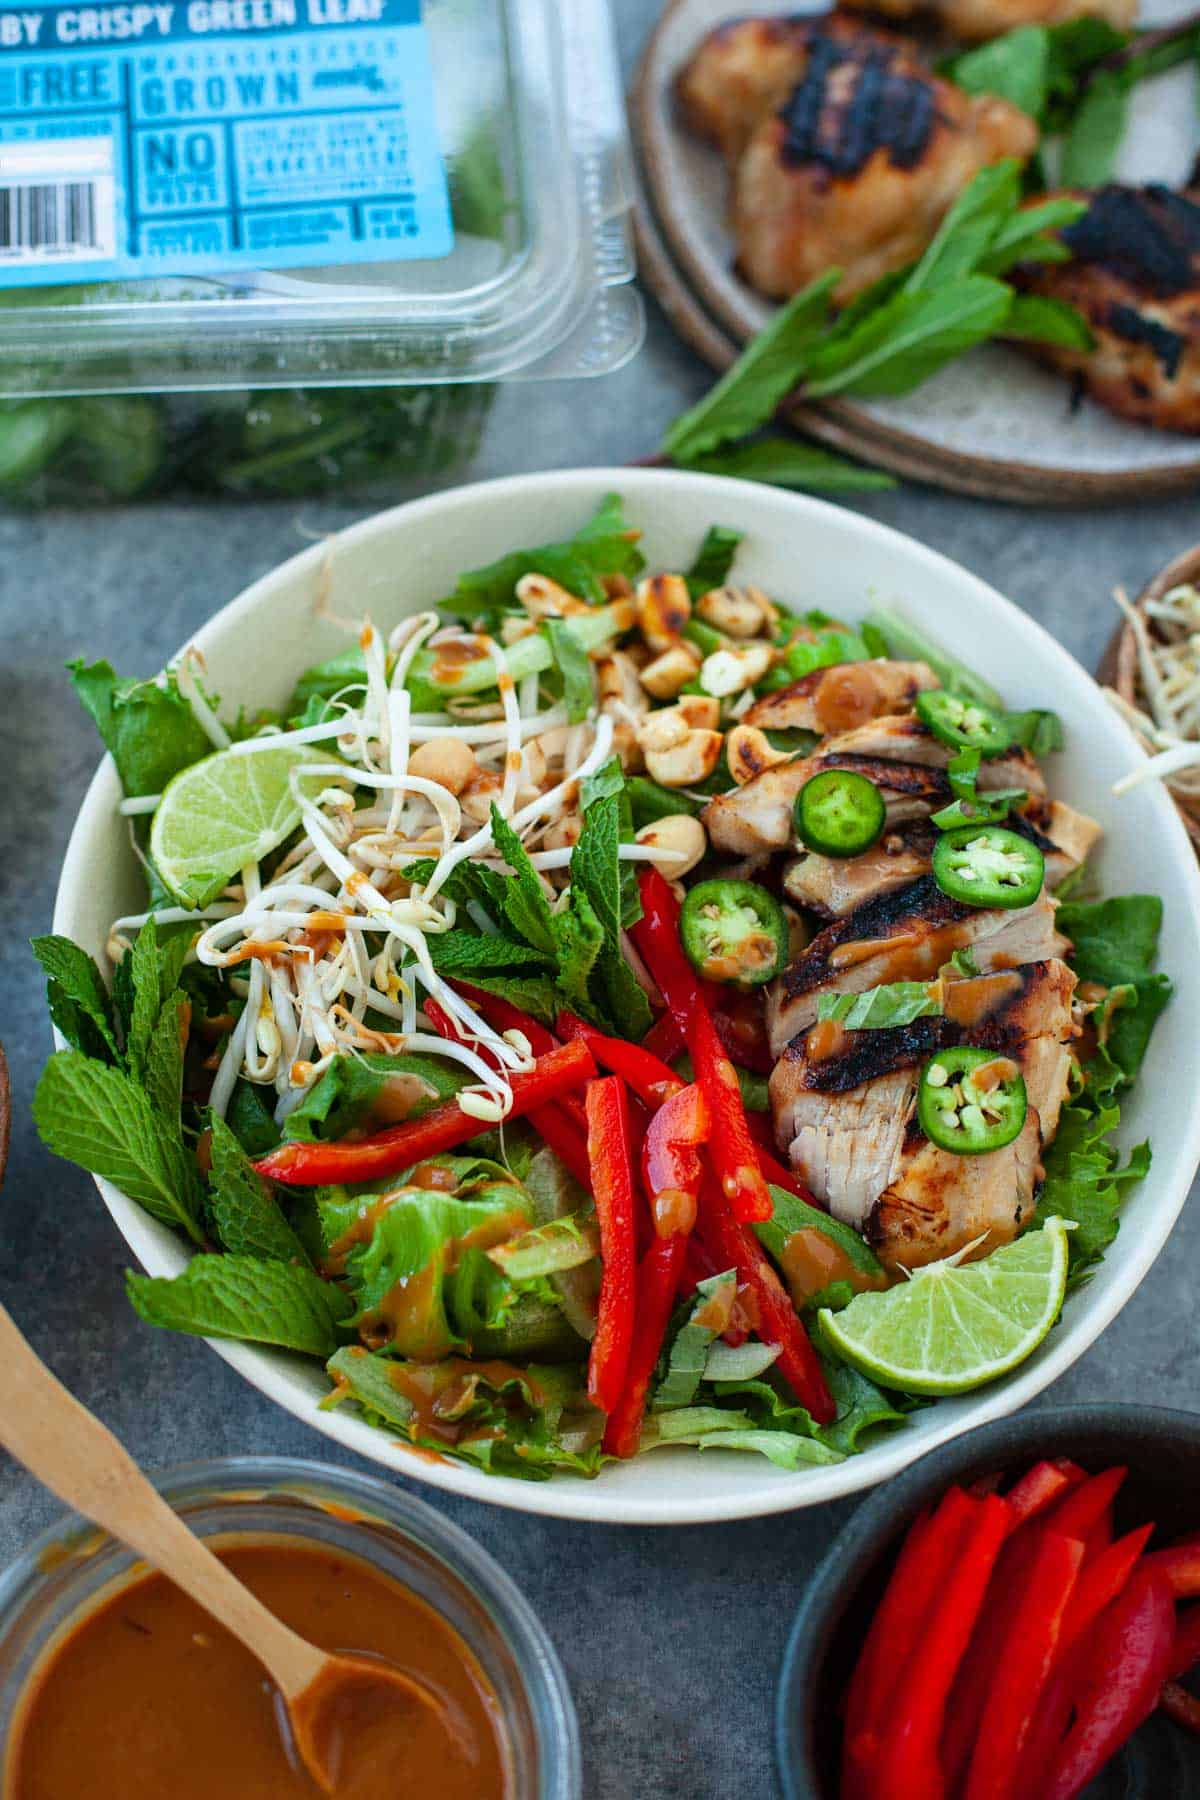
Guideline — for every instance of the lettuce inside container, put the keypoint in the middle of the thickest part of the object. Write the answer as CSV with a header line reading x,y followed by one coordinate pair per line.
x,y
256,247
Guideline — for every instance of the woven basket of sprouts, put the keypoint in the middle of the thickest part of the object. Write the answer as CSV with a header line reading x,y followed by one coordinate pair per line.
x,y
1151,674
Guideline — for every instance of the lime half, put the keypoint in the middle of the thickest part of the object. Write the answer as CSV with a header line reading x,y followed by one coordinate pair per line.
x,y
220,814
953,1326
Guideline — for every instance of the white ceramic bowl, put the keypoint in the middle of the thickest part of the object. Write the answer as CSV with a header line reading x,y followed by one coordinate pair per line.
x,y
807,553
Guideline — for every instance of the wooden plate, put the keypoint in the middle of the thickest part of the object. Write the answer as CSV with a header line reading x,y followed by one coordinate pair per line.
x,y
993,424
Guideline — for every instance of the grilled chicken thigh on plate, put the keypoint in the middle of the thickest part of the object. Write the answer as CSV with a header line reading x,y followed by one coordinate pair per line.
x,y
845,150
974,21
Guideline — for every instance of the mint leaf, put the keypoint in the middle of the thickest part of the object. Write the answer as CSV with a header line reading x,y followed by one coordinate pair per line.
x,y
1095,133
78,999
580,942
150,730
251,1122
967,231
714,560
97,1117
909,338
162,1076
1016,66
789,463
460,954
606,545
596,869
534,994
523,898
469,881
1038,319
1023,238
246,1217
245,1298
149,975
769,367
574,665
343,676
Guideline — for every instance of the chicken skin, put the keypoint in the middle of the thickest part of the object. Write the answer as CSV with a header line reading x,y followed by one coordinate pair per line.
x,y
975,21
846,151
1135,277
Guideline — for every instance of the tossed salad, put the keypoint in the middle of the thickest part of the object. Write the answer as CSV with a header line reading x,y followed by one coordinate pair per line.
x,y
609,1010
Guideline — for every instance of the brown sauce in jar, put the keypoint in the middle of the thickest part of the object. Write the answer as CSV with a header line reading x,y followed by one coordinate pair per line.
x,y
149,1696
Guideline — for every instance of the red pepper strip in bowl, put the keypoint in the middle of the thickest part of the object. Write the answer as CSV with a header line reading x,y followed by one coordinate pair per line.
x,y
671,1167
643,1072
1181,1706
1185,1652
388,1152
657,1284
556,1126
772,1169
1180,1563
732,1246
504,1016
665,1039
656,935
917,1578
1036,1489
1118,1683
1099,1584
908,1762
1022,1666
1086,1505
609,1152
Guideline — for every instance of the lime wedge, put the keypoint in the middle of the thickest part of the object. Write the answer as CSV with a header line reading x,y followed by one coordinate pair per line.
x,y
953,1326
222,813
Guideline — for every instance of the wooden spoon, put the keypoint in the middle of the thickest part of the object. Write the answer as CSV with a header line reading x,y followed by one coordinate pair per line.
x,y
328,1698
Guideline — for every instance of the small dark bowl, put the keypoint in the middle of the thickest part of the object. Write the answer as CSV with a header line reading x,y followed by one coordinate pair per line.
x,y
1162,1451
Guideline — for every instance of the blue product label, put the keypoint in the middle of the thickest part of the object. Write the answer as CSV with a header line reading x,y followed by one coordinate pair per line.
x,y
178,137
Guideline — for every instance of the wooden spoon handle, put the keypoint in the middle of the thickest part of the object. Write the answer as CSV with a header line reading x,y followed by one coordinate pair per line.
x,y
79,1459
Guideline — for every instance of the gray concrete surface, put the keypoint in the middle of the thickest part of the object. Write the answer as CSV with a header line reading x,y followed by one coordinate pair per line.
x,y
671,1640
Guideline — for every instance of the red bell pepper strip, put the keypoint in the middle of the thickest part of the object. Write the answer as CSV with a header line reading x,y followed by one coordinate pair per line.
x,y
665,1038
732,1245
1119,1682
388,1152
1185,1652
643,1072
908,1763
915,1582
1022,1666
1180,1563
1181,1706
1103,1578
773,1170
657,1284
504,1016
1036,1489
1100,1582
732,1150
741,1027
1080,1511
672,1170
558,1127
609,1153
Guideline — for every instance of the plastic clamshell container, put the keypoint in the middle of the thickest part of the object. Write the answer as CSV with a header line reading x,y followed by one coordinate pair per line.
x,y
530,128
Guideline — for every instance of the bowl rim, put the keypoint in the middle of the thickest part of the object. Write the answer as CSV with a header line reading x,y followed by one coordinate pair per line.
x,y
883,1515
571,1497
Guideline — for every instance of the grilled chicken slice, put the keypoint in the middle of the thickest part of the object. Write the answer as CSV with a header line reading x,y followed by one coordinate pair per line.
x,y
898,753
1135,277
833,886
842,697
975,21
847,1120
905,936
846,151
940,1203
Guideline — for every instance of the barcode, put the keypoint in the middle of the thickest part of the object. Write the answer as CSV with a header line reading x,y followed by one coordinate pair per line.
x,y
49,216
